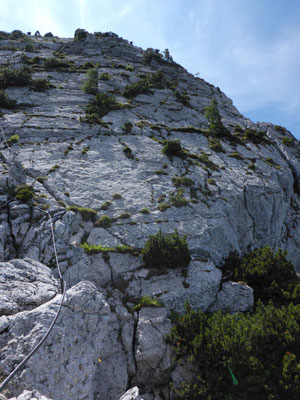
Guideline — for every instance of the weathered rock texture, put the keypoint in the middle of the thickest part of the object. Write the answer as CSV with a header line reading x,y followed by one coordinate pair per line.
x,y
242,197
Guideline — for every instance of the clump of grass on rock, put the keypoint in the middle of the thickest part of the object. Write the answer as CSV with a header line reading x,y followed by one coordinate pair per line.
x,y
166,251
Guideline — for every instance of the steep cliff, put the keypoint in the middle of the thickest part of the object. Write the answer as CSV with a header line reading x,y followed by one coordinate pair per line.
x,y
230,185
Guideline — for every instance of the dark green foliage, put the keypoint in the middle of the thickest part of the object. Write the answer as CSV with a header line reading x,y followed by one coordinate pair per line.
x,y
287,141
144,211
215,145
262,350
86,213
14,77
41,85
270,274
177,199
17,34
171,147
128,152
24,193
215,125
80,34
103,222
183,180
163,207
6,102
31,61
29,47
166,251
105,205
90,86
133,89
102,104
156,80
150,55
124,215
127,127
4,35
183,97
55,63
48,34
104,76
251,135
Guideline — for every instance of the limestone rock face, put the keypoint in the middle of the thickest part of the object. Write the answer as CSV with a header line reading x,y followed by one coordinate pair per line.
x,y
236,191
68,366
25,284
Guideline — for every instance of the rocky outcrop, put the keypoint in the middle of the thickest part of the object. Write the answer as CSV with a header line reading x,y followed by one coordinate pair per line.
x,y
237,192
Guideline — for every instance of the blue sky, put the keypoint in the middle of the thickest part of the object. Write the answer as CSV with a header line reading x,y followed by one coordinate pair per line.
x,y
250,49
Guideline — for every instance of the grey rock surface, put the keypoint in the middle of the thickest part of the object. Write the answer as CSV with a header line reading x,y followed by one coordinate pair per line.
x,y
24,285
153,355
132,394
243,193
68,365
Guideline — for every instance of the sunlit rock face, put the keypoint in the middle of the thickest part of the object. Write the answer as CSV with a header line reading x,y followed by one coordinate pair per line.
x,y
233,191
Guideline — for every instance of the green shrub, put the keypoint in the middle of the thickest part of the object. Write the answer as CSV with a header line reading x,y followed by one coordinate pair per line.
x,y
129,67
144,211
127,127
80,34
102,104
116,196
182,181
156,80
133,89
215,125
6,102
41,85
183,97
90,86
86,213
171,147
13,139
163,206
177,199
104,222
55,63
166,251
151,54
287,141
29,48
48,34
147,302
270,274
211,181
4,35
128,152
261,350
104,76
124,215
17,34
24,193
105,205
215,145
14,77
